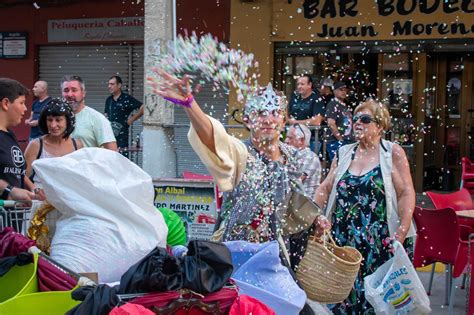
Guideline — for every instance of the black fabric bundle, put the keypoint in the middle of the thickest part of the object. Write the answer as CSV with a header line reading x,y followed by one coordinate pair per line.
x,y
206,267
98,300
8,262
157,271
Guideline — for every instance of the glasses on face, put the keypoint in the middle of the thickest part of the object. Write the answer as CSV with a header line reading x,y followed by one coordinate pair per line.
x,y
301,129
364,118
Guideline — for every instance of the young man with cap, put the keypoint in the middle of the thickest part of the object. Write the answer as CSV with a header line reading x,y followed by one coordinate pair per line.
x,y
12,161
325,90
339,119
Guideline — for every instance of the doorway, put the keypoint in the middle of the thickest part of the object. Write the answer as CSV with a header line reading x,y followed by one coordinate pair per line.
x,y
449,116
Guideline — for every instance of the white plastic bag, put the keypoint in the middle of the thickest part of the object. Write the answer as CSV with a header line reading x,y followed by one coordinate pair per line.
x,y
395,288
108,219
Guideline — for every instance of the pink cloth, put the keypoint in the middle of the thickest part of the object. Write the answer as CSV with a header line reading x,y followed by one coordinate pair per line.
x,y
131,309
245,304
225,297
51,278
12,243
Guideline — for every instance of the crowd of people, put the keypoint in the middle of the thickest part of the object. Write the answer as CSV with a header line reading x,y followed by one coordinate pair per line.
x,y
59,126
366,200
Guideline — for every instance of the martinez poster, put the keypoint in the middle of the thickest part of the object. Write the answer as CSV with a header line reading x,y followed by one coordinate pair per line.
x,y
195,205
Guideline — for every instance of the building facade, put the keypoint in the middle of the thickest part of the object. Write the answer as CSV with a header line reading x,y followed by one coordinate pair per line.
x,y
44,40
416,56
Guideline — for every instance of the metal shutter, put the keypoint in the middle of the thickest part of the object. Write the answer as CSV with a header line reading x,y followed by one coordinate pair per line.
x,y
95,64
138,77
212,103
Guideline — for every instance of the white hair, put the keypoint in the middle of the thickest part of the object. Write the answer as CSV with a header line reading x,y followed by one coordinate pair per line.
x,y
302,132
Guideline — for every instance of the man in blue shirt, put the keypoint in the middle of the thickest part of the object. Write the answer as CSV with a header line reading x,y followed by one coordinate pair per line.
x,y
40,91
306,107
118,108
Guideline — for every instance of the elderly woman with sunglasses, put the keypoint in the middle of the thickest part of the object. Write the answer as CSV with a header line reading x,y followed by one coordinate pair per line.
x,y
369,197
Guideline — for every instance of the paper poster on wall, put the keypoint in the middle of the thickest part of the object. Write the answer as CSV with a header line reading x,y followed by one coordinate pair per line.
x,y
403,86
195,205
13,45
400,93
454,93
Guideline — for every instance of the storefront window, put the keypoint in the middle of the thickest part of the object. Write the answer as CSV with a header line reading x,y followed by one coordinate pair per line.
x,y
396,92
304,65
397,82
453,105
453,87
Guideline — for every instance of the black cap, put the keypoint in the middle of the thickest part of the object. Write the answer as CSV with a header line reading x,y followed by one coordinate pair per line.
x,y
339,85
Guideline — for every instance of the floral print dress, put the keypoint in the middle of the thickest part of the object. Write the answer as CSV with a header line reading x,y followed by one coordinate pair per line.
x,y
359,220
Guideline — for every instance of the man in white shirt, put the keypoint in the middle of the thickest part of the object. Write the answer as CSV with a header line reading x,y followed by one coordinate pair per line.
x,y
92,128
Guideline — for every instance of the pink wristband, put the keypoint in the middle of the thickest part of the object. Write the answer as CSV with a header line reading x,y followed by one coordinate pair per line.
x,y
186,103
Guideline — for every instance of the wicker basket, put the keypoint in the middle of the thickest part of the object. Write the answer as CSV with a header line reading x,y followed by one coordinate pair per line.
x,y
327,272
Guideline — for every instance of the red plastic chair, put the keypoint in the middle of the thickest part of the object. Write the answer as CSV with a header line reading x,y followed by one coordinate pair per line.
x,y
467,175
449,247
459,200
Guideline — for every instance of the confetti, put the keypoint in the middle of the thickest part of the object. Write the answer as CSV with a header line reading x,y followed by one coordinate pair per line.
x,y
212,60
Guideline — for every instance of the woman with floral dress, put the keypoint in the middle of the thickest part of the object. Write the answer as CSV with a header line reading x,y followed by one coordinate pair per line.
x,y
369,198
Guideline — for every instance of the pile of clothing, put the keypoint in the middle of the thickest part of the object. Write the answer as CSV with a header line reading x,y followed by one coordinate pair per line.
x,y
198,282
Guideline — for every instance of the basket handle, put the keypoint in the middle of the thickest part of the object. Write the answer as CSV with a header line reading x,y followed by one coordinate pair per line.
x,y
327,234
322,239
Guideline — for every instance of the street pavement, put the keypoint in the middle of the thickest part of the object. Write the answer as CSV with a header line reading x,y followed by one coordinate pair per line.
x,y
437,297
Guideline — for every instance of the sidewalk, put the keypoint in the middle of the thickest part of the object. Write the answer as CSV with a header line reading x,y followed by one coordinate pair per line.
x,y
437,297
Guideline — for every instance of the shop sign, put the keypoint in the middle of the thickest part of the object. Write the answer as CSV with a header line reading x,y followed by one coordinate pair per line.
x,y
194,203
332,20
13,44
93,30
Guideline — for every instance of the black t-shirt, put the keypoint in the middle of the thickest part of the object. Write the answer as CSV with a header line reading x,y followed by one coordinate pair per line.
x,y
37,107
304,108
12,161
118,112
343,116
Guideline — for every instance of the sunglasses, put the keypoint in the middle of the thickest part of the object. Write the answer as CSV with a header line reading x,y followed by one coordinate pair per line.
x,y
364,118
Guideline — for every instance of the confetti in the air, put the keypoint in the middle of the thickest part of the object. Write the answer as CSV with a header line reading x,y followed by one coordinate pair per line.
x,y
211,60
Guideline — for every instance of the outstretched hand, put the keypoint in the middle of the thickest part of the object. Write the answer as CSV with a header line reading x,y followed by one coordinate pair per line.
x,y
322,224
177,91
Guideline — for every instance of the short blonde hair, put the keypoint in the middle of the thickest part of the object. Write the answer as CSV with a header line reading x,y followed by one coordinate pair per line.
x,y
379,110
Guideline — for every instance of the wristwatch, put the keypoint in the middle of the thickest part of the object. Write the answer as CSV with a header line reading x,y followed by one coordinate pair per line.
x,y
7,191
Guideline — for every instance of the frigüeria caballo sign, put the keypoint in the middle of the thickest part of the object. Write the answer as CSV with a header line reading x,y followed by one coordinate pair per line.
x,y
316,20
